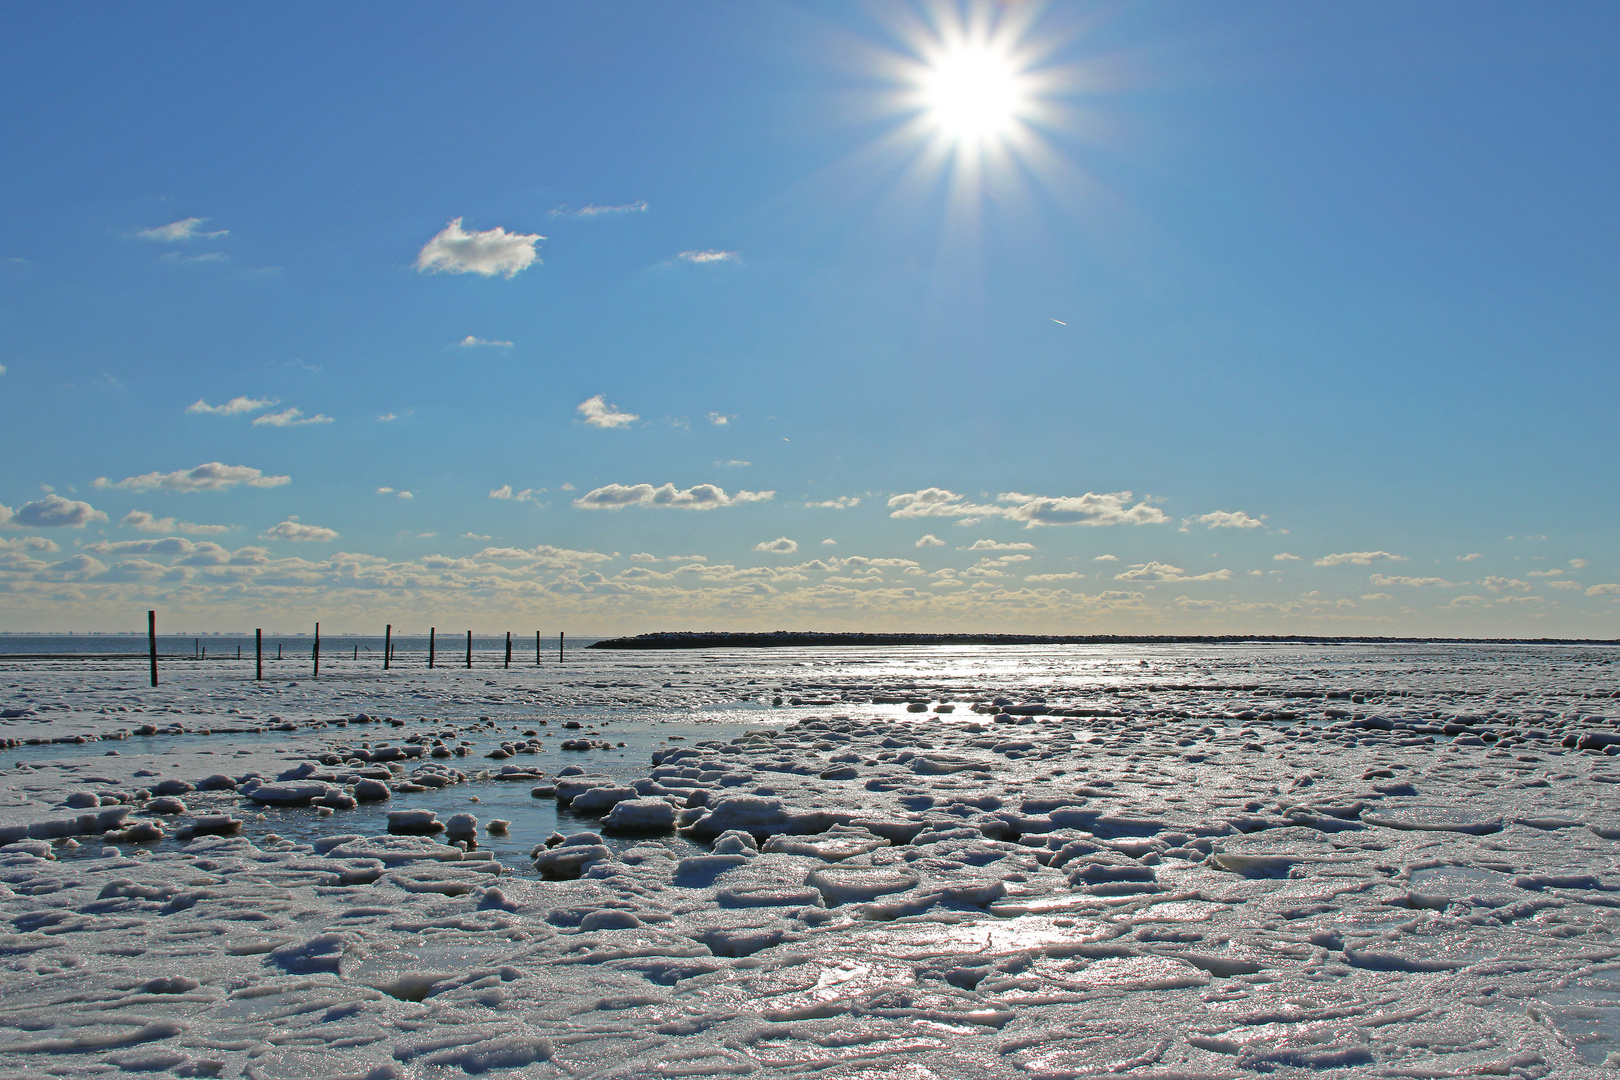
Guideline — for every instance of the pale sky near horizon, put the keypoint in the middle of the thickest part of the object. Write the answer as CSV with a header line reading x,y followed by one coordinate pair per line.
x,y
614,317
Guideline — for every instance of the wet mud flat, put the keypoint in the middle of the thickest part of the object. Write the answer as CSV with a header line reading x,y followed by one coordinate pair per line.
x,y
1031,861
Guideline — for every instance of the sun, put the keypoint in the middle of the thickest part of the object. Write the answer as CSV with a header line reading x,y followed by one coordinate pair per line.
x,y
973,93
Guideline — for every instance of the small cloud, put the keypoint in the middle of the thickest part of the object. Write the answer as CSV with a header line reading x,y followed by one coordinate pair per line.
x,y
396,494
145,522
1385,580
1555,572
178,232
697,497
1473,557
1158,571
51,512
707,256
289,418
720,419
829,542
296,531
780,546
643,557
1579,564
213,476
733,463
1106,558
997,545
386,417
1225,519
596,412
232,407
843,502
1068,576
471,342
1377,596
494,251
929,540
1608,588
592,210
475,536
1505,584
1358,558
3,369
1284,556
505,492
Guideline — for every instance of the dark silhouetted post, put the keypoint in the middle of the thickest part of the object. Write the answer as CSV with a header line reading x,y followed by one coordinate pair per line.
x,y
278,650
239,652
537,648
388,644
469,648
432,633
561,637
258,653
317,653
151,642
508,649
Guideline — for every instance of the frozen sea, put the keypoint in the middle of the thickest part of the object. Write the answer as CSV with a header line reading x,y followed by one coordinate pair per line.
x,y
1171,861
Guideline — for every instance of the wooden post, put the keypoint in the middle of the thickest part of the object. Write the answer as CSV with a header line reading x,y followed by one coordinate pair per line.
x,y
561,637
196,647
508,649
388,644
239,652
537,648
317,653
469,648
151,642
278,650
432,632
258,653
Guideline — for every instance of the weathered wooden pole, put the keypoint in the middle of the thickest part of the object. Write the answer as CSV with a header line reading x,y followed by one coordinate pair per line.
x,y
561,637
388,644
432,632
469,648
537,648
508,649
151,642
317,653
258,653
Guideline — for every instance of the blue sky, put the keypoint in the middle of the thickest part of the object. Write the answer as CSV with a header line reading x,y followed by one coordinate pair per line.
x,y
1240,318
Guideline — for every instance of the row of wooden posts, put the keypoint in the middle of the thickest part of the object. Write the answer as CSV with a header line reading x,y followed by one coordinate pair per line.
x,y
315,653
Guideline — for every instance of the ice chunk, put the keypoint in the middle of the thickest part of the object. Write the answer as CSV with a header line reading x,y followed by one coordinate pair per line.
x,y
850,884
414,823
640,815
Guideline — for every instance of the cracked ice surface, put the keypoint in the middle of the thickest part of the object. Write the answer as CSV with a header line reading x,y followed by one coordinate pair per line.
x,y
979,862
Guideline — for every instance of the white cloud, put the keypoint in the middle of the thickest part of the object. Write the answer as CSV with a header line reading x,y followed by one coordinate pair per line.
x,y
495,251
929,540
1417,582
25,543
396,494
1505,584
475,536
1226,519
295,530
734,464
1070,575
697,497
1555,572
780,546
1579,564
1358,558
545,555
996,545
843,502
51,512
1284,556
1088,509
505,492
643,556
471,342
1106,558
592,210
1470,558
596,412
1608,588
232,407
707,256
387,416
176,232
1564,583
1377,596
3,369
142,521
1158,571
289,418
213,476
720,419
829,542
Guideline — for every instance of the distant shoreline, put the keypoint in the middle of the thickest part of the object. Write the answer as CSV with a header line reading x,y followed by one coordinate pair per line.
x,y
783,638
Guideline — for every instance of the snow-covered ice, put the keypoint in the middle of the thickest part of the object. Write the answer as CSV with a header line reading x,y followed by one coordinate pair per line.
x,y
1173,862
